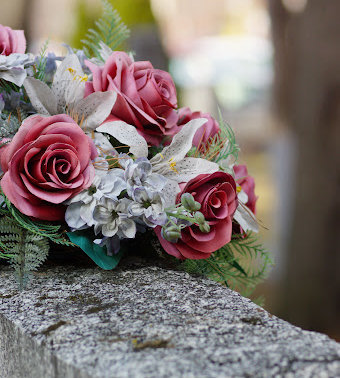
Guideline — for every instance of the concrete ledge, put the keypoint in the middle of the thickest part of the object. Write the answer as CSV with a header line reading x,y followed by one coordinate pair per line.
x,y
144,321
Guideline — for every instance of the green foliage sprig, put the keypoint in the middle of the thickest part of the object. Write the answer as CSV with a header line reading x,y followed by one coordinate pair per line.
x,y
241,264
50,231
24,242
41,65
8,86
231,148
110,30
10,123
219,148
25,250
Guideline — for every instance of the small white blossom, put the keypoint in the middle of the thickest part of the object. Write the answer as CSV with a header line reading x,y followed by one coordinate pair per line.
x,y
12,67
149,206
79,213
138,174
112,218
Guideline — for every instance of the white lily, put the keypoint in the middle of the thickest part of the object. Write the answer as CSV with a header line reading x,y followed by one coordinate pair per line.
x,y
126,134
172,162
243,215
67,95
245,218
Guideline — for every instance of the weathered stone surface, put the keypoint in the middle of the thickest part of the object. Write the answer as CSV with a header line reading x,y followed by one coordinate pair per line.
x,y
144,321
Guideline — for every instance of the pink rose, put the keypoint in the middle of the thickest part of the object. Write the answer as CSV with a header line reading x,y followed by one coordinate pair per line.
x,y
146,96
205,132
47,162
216,192
247,183
11,41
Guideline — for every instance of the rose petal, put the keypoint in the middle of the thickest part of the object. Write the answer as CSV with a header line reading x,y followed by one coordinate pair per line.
x,y
222,235
37,209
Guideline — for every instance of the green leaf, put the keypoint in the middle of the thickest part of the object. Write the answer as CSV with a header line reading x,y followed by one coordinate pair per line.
x,y
241,264
110,30
42,60
42,228
25,250
95,252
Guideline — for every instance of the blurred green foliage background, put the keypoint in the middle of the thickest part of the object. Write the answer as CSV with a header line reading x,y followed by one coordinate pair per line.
x,y
132,12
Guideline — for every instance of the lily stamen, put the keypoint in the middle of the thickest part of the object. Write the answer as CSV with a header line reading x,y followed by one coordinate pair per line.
x,y
77,77
172,165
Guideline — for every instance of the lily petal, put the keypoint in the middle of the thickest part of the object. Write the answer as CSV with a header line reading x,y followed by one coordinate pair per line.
x,y
181,142
242,196
103,145
95,108
104,51
187,169
126,134
41,96
16,75
245,218
169,193
68,85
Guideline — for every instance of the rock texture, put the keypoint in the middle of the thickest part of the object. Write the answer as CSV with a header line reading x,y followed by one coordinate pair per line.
x,y
147,321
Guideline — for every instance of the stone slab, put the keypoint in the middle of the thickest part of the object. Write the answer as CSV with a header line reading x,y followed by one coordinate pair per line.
x,y
147,321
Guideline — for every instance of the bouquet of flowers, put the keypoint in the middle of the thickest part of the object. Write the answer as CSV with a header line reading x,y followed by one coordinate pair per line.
x,y
94,153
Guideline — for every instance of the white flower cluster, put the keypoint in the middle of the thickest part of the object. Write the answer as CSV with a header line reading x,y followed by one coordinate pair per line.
x,y
118,200
13,67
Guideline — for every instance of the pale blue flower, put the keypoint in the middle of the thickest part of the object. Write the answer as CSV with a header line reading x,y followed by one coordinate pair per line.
x,y
172,162
138,174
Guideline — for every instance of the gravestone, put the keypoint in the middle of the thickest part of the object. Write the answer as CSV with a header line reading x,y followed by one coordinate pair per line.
x,y
147,321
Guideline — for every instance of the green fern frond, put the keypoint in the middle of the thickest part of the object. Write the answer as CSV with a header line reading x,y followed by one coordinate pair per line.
x,y
241,264
10,123
42,60
230,147
109,29
26,251
47,230
220,147
8,86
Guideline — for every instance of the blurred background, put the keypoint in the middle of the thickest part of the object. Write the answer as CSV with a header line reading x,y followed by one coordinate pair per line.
x,y
273,68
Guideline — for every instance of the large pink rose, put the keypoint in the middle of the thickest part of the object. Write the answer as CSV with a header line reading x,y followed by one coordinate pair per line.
x,y
216,192
47,162
247,183
146,96
205,132
11,41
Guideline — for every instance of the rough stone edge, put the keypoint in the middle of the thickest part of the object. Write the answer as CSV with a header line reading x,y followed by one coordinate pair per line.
x,y
22,349
19,349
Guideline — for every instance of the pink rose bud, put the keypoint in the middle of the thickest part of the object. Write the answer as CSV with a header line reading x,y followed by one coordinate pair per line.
x,y
11,41
247,183
204,133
